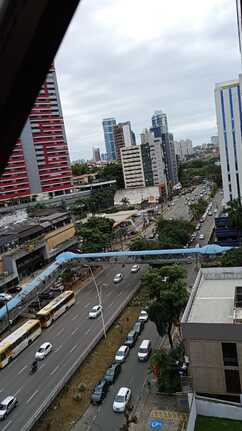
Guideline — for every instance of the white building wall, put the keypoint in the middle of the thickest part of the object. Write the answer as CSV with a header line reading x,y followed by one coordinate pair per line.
x,y
127,135
228,109
131,159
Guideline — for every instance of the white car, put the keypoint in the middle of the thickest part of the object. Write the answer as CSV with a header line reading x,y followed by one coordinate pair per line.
x,y
135,268
43,351
5,297
122,354
6,406
95,311
121,399
201,236
118,277
143,316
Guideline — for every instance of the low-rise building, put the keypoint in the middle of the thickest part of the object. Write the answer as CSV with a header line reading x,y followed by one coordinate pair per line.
x,y
27,246
212,332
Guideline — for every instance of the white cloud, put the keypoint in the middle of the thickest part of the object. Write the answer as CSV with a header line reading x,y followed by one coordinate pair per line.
x,y
126,58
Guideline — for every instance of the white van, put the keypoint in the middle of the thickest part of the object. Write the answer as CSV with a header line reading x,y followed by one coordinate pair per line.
x,y
144,350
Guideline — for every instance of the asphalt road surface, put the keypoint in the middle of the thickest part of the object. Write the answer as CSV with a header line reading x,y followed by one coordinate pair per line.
x,y
133,376
71,336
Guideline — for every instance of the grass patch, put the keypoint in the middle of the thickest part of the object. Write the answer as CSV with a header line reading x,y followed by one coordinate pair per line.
x,y
204,423
71,403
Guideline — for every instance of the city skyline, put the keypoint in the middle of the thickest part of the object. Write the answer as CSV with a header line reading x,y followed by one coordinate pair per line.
x,y
129,71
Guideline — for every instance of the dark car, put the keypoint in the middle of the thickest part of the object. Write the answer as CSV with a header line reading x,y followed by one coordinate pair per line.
x,y
131,338
138,327
99,392
14,289
112,373
47,295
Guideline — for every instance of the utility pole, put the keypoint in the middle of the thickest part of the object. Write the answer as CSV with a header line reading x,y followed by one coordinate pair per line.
x,y
99,300
8,317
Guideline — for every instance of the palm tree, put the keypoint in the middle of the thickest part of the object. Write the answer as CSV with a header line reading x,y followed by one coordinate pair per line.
x,y
234,211
125,201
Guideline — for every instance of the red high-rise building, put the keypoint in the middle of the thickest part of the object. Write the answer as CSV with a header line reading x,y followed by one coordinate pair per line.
x,y
40,162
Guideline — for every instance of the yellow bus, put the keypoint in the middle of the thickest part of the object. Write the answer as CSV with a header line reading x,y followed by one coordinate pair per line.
x,y
55,308
12,345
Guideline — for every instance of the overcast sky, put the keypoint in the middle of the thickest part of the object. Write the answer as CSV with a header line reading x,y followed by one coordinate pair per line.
x,y
128,58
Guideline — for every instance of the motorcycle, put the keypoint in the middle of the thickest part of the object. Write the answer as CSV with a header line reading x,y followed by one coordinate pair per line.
x,y
34,367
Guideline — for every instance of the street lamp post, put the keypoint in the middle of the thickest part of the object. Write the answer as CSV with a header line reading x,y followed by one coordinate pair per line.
x,y
99,300
8,318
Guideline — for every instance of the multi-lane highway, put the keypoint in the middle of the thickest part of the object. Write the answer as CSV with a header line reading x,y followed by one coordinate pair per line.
x,y
72,335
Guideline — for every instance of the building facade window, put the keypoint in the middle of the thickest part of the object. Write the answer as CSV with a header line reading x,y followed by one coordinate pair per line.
x,y
230,356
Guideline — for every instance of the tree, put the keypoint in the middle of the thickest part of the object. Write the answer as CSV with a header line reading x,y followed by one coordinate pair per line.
x,y
198,208
165,369
167,288
144,244
125,201
173,233
234,211
96,234
81,168
159,279
112,171
232,257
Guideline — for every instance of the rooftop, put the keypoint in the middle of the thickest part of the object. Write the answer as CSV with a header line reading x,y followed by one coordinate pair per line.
x,y
212,299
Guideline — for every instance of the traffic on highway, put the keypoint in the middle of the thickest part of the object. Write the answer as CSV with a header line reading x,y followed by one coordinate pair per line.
x,y
71,336
40,356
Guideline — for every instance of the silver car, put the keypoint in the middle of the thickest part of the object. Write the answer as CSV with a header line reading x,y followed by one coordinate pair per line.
x,y
118,277
6,406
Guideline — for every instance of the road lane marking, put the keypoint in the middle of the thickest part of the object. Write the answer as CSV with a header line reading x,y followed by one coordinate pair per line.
x,y
108,294
22,369
17,392
87,331
54,370
73,348
111,304
75,317
75,330
60,332
58,348
87,305
120,293
32,396
6,426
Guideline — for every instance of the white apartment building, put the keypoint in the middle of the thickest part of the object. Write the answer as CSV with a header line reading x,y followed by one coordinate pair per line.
x,y
229,122
131,158
183,148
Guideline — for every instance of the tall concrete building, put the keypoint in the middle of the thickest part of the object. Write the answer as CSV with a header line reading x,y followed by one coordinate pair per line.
x,y
153,160
108,125
96,154
160,130
123,137
159,119
183,149
229,122
40,161
239,22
